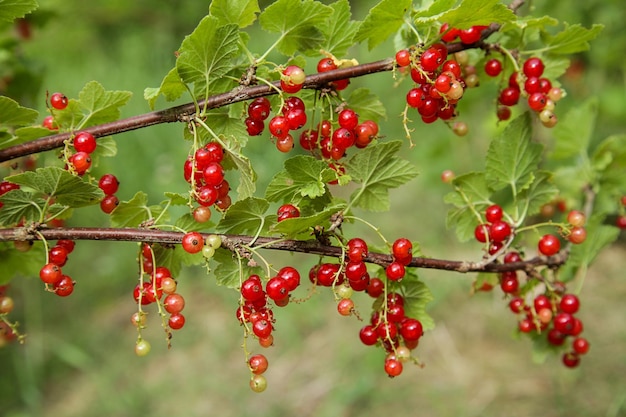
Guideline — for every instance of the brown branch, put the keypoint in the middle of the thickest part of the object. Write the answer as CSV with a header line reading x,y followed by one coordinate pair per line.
x,y
301,246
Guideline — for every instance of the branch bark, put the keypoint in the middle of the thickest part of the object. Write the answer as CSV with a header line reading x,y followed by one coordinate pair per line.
x,y
302,246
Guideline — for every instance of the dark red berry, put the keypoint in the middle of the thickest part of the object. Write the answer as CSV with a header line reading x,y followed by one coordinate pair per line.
x,y
109,184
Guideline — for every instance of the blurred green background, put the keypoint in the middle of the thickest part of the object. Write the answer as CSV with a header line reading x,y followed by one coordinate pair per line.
x,y
79,358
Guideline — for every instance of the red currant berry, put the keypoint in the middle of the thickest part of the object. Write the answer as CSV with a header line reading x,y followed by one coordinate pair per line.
x,y
471,35
509,283
431,59
580,345
393,367
84,142
327,274
516,305
395,271
368,335
176,321
287,211
403,58
291,276
309,139
375,287
564,323
499,231
326,64
549,245
571,359
259,109
50,273
345,307
569,303
213,174
258,364
109,184
59,101
81,161
58,255
64,287
193,242
262,328
503,113
402,249
493,67
174,303
109,203
448,34
533,67
509,96
577,235
537,101
254,127
49,123
493,213
348,119
279,127
411,329
292,79
252,289
276,288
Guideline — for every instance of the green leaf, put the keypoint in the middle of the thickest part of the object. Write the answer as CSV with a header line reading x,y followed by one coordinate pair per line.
x,y
471,195
303,176
477,12
171,87
574,132
572,39
378,169
298,22
416,297
367,105
15,262
12,114
437,8
245,216
134,212
339,31
23,134
609,160
177,199
107,146
207,53
19,205
382,21
12,9
239,12
231,272
247,176
541,192
98,105
512,157
66,188
302,227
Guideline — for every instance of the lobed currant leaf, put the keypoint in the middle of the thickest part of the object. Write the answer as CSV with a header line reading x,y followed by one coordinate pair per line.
x,y
172,88
512,157
301,227
377,169
229,271
339,31
18,205
21,135
135,211
609,162
15,262
367,105
416,297
239,12
13,115
382,21
471,195
540,192
572,39
303,176
246,216
298,22
434,11
477,12
177,199
94,106
67,189
11,10
573,135
206,54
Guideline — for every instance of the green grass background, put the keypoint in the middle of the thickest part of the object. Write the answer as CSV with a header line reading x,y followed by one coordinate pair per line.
x,y
79,359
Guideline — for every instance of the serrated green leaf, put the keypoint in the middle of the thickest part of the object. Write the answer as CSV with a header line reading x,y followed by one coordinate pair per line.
x,y
573,134
239,12
303,176
98,105
18,205
23,134
207,53
171,87
416,297
12,9
298,23
66,188
477,12
512,157
528,22
471,195
581,256
377,169
302,227
15,262
230,272
367,105
107,147
177,199
572,39
222,123
247,176
382,21
339,31
437,8
14,115
246,216
134,212
541,192
609,161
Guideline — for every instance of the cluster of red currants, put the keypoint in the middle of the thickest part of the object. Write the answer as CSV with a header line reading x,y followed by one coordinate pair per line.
x,y
541,95
51,273
159,282
209,186
553,315
440,82
495,231
109,184
466,36
58,101
84,144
